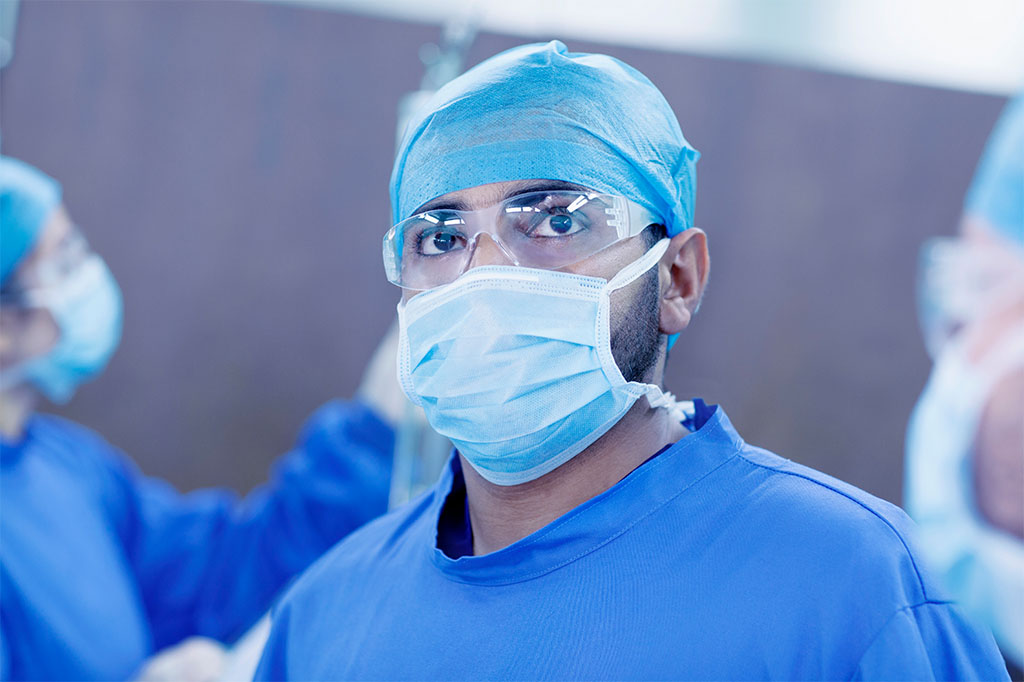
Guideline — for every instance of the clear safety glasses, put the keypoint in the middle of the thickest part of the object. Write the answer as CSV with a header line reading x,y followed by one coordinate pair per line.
x,y
31,287
544,229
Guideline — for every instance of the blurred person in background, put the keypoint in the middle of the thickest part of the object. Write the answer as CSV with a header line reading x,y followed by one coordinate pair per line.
x,y
588,525
102,566
965,441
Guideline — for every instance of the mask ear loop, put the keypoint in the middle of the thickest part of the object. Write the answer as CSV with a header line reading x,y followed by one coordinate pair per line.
x,y
631,272
656,396
679,409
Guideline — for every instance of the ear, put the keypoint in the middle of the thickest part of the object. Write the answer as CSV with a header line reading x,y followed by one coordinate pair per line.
x,y
683,272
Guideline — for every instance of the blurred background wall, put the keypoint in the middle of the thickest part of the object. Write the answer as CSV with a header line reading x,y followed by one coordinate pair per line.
x,y
230,161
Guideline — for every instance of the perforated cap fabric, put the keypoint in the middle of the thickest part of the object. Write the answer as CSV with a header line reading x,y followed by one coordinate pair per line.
x,y
540,111
27,198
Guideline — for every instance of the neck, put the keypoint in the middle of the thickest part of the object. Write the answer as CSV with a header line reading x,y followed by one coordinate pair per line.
x,y
16,405
502,515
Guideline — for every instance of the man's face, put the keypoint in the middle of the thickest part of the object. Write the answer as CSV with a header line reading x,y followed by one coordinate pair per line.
x,y
29,332
634,311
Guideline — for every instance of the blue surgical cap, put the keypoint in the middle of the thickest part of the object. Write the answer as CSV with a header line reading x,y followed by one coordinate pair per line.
x,y
997,193
540,111
27,198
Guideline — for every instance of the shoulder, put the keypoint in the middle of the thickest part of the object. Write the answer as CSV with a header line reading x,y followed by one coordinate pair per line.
x,y
818,517
841,564
364,556
337,417
351,429
811,490
339,592
71,445
51,426
61,458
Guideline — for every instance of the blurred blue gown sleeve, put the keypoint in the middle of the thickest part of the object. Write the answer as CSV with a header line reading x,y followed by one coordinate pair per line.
x,y
208,563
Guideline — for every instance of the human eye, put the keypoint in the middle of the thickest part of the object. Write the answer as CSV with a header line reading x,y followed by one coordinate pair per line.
x,y
553,215
438,233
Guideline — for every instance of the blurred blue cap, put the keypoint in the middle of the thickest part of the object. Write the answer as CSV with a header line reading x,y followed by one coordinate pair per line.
x,y
997,192
540,111
27,198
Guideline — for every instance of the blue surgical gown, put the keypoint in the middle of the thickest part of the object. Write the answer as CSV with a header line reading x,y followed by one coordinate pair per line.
x,y
102,566
714,560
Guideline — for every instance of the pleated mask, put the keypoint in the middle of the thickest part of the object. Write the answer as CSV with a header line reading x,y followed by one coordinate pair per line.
x,y
514,365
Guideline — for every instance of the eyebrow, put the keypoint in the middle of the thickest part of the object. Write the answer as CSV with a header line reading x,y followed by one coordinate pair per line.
x,y
441,204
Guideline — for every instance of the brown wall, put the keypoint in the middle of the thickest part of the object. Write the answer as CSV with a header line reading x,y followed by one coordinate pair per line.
x,y
230,160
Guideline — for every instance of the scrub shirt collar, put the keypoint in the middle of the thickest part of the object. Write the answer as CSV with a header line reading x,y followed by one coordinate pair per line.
x,y
594,523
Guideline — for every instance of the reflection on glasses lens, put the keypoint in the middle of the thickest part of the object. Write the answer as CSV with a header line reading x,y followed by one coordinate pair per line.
x,y
542,229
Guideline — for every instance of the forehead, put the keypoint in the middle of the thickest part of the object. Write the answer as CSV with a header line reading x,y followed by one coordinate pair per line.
x,y
482,196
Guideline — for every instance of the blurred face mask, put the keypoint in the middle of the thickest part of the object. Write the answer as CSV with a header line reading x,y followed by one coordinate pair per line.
x,y
85,302
946,418
514,365
982,567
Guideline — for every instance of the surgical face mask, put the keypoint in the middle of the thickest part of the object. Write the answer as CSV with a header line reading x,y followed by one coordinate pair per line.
x,y
514,365
86,305
981,566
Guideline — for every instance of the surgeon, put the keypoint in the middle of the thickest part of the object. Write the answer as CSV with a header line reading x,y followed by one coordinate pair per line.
x,y
965,441
102,566
588,525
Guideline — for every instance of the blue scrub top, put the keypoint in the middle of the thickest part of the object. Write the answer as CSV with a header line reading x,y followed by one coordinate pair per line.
x,y
102,566
714,560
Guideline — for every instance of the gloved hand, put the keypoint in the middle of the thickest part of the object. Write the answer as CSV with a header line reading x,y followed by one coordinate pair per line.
x,y
196,659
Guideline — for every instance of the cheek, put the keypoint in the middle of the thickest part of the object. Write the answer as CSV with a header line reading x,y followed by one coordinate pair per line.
x,y
1001,429
625,302
606,264
26,334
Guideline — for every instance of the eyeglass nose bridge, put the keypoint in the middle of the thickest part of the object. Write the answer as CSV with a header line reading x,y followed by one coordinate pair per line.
x,y
492,243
